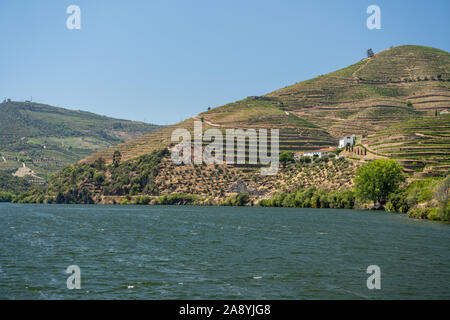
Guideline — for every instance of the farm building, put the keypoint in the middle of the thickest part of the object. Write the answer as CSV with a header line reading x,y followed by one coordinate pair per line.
x,y
320,153
347,141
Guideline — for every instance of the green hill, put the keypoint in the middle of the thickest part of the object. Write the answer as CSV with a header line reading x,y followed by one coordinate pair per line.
x,y
395,85
47,138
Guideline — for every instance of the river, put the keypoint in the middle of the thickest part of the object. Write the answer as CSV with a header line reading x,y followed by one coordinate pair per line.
x,y
191,252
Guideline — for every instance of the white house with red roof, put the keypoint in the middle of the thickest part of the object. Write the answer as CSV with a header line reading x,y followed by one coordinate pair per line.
x,y
320,153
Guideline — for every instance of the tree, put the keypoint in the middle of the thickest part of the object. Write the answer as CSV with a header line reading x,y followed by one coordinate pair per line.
x,y
370,53
409,104
377,179
286,157
99,178
117,156
99,164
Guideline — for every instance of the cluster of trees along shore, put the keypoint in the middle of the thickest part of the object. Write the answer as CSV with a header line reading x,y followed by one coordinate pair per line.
x,y
380,182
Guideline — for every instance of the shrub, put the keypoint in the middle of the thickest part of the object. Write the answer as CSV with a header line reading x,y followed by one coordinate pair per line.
x,y
434,214
441,194
6,196
312,198
419,212
239,200
178,198
398,202
99,177
142,200
125,202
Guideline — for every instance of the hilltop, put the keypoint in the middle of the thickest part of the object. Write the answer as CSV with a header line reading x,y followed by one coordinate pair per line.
x,y
40,139
394,85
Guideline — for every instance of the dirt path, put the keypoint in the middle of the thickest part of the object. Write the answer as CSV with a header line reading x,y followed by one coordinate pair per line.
x,y
355,77
207,122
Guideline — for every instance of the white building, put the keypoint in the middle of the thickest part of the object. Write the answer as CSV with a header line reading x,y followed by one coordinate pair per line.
x,y
347,141
320,153
444,112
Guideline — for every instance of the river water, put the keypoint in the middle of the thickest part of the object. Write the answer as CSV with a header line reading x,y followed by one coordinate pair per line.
x,y
189,252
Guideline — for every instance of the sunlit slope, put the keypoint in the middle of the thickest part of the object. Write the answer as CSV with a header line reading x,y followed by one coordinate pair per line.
x,y
421,145
295,134
373,93
395,85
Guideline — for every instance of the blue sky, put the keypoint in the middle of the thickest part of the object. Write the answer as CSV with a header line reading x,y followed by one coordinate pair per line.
x,y
164,61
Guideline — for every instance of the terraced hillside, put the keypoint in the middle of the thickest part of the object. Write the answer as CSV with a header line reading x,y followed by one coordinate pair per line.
x,y
43,139
251,113
422,146
395,85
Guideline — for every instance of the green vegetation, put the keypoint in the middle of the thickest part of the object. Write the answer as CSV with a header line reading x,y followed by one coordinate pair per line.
x,y
312,198
80,183
48,138
286,157
6,196
240,199
177,199
13,184
10,186
376,180
423,199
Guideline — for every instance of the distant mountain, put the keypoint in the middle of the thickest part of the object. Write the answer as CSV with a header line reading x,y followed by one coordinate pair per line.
x,y
395,85
41,139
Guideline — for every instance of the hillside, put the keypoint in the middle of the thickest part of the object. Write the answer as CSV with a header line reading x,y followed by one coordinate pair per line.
x,y
40,139
421,146
369,99
155,177
373,93
395,85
